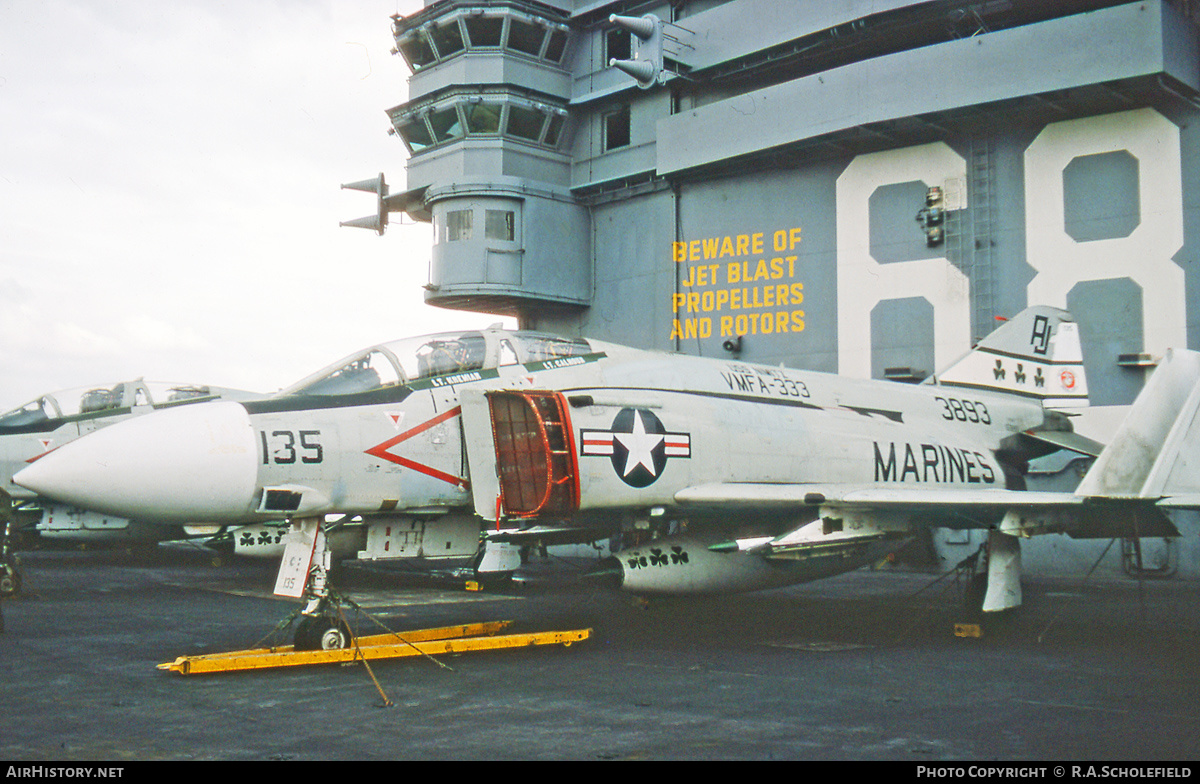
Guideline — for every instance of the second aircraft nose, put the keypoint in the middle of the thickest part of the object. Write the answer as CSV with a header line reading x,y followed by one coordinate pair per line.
x,y
195,463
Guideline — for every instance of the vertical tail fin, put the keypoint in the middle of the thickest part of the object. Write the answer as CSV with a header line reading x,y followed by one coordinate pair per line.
x,y
1035,354
1155,453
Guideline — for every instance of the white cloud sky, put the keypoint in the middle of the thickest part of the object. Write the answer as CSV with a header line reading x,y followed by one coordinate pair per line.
x,y
169,192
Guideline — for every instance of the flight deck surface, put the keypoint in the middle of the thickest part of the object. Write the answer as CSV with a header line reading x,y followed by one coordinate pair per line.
x,y
861,667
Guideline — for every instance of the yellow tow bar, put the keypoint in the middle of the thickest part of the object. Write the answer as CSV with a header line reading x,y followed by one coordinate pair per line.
x,y
422,642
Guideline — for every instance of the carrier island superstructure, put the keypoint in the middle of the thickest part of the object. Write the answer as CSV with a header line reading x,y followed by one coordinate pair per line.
x,y
854,186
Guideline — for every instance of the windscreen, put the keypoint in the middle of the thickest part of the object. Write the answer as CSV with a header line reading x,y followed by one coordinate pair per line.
x,y
396,363
371,370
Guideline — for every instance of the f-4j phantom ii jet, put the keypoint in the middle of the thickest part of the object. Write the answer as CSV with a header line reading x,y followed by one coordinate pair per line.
x,y
42,425
753,477
31,431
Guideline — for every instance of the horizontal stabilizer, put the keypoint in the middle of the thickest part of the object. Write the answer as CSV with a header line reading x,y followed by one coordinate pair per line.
x,y
1156,452
1066,439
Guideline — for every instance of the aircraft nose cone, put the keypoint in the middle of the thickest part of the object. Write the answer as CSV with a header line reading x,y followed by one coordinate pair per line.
x,y
195,463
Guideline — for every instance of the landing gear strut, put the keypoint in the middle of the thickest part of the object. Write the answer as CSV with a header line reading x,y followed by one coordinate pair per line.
x,y
305,574
995,576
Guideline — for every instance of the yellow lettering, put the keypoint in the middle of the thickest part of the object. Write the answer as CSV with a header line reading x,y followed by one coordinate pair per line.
x,y
691,328
705,289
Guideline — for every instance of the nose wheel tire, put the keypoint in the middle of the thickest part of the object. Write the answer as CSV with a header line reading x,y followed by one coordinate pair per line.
x,y
10,580
321,633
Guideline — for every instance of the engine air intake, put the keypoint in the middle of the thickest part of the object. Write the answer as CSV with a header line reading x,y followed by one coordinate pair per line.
x,y
535,455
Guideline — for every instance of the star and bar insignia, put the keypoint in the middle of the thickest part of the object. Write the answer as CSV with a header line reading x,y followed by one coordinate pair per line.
x,y
638,445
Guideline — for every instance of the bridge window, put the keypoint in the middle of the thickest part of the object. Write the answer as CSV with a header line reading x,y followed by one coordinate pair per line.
x,y
616,129
485,30
447,38
415,134
458,225
525,37
525,123
553,130
617,45
446,125
457,116
462,32
416,51
498,225
483,117
557,45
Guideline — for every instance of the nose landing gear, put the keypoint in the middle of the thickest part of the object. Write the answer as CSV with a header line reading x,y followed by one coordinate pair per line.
x,y
321,632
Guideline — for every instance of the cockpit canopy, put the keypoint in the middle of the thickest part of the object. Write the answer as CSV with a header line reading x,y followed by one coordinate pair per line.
x,y
411,359
89,400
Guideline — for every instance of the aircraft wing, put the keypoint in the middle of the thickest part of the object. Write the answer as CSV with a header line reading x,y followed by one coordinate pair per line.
x,y
1181,501
741,494
1015,511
